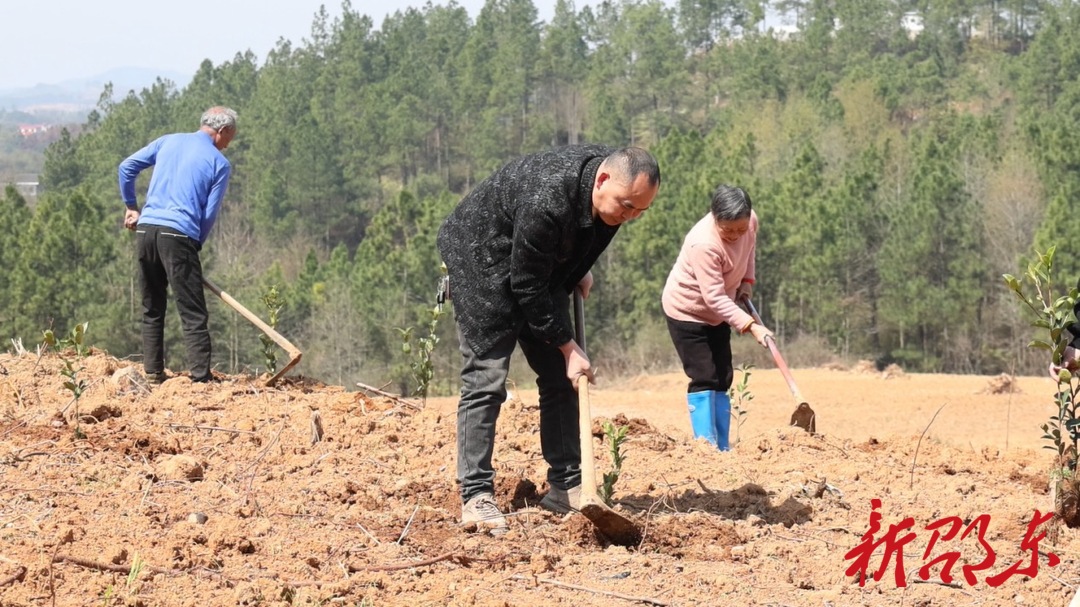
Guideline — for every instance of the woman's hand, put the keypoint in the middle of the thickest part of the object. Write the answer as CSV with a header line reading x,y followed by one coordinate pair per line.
x,y
761,333
744,292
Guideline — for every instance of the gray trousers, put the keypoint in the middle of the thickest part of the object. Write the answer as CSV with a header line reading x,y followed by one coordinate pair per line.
x,y
483,391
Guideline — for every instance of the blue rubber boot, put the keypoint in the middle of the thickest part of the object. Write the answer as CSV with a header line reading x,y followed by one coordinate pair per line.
x,y
721,410
700,405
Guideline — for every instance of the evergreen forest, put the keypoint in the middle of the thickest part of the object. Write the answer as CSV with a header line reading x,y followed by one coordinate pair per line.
x,y
901,154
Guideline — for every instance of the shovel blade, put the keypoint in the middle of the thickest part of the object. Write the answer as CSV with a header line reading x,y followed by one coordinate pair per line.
x,y
613,525
805,418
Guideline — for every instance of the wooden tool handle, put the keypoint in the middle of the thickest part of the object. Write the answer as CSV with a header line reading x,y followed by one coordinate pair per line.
x,y
770,341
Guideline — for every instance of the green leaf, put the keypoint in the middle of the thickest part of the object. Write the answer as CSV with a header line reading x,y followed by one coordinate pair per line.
x,y
1041,345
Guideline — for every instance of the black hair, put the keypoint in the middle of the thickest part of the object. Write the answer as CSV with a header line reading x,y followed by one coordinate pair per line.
x,y
631,162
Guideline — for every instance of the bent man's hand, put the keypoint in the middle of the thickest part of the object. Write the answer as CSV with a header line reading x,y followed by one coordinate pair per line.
x,y
577,363
585,284
1070,359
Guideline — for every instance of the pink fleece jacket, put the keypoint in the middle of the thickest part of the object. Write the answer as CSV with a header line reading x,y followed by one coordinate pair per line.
x,y
701,286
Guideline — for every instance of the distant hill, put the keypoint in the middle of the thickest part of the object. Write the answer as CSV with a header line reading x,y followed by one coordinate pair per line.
x,y
80,95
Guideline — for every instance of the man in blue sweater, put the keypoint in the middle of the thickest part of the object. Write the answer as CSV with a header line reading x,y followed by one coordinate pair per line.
x,y
189,180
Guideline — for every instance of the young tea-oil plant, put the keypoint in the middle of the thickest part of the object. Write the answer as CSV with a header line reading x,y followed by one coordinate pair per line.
x,y
274,303
616,436
740,396
75,343
420,351
1051,306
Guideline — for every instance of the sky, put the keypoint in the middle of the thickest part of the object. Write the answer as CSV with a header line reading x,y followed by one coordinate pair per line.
x,y
52,41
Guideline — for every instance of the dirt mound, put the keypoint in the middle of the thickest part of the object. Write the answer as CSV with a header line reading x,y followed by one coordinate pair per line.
x,y
864,366
1002,384
893,371
224,494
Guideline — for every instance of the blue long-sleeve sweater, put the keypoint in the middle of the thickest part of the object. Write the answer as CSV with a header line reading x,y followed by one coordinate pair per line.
x,y
189,181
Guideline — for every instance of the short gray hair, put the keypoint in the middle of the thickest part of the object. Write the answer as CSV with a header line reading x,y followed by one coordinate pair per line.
x,y
219,117
730,203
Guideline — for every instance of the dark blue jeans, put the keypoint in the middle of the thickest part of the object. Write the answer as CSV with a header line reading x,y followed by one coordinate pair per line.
x,y
167,257
483,391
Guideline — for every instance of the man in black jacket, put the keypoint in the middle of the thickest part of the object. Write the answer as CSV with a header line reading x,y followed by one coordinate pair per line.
x,y
515,248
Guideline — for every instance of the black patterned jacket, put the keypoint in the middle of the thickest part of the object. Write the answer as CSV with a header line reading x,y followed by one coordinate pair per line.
x,y
516,246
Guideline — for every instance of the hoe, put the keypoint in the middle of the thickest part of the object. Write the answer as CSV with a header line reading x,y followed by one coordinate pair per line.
x,y
279,339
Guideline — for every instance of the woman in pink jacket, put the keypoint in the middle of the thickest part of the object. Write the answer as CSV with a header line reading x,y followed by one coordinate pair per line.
x,y
714,271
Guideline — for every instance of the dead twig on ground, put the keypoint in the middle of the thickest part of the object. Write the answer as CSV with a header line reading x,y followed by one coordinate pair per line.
x,y
617,595
316,427
14,428
210,428
704,488
813,536
109,567
126,569
20,349
45,490
394,397
460,559
52,585
1052,576
837,447
41,349
915,457
939,583
362,528
408,524
17,392
254,466
17,577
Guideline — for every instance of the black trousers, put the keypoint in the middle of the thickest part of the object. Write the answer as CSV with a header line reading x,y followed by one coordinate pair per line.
x,y
168,257
705,352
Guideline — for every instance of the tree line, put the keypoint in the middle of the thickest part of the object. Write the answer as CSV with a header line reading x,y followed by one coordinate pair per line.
x,y
901,155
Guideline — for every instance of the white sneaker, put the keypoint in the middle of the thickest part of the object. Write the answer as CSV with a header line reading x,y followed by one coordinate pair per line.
x,y
482,510
561,501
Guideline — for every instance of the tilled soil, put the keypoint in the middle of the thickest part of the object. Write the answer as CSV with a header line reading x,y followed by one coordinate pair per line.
x,y
231,493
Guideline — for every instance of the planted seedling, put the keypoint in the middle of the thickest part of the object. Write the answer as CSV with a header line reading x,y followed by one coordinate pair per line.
x,y
615,436
274,303
1052,308
74,342
740,396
